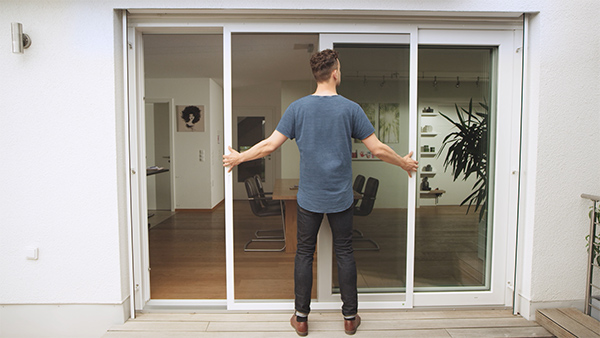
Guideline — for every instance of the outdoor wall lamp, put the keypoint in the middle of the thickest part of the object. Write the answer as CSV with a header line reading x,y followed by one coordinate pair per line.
x,y
20,41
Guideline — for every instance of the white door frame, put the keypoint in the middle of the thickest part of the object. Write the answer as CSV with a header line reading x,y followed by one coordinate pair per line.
x,y
171,103
426,33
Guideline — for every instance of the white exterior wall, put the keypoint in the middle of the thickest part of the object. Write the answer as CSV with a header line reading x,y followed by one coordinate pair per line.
x,y
63,141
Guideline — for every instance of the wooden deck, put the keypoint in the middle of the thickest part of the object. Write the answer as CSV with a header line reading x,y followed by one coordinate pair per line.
x,y
456,323
568,323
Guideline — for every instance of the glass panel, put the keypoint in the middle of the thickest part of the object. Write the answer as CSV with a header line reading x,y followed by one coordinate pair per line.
x,y
269,72
452,245
186,248
251,130
376,77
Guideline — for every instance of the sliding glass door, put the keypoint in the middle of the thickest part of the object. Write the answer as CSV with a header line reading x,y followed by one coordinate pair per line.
x,y
376,74
443,237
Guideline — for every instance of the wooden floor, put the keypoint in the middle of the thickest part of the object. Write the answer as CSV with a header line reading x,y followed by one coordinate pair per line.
x,y
187,253
431,324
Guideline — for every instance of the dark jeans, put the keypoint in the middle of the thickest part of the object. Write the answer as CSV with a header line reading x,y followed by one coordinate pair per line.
x,y
341,229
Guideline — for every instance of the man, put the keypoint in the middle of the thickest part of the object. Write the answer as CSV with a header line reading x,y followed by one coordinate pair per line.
x,y
323,125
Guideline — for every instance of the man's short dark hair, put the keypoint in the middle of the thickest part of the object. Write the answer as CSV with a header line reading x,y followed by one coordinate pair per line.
x,y
323,63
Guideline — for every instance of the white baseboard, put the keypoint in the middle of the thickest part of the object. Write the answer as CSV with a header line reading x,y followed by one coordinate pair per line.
x,y
61,320
527,308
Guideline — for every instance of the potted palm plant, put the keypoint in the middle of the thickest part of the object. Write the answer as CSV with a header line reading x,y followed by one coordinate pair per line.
x,y
468,153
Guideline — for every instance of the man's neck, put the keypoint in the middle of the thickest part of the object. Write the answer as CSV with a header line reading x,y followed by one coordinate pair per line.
x,y
328,88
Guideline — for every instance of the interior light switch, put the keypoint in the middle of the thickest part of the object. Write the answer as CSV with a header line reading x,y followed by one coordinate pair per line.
x,y
31,253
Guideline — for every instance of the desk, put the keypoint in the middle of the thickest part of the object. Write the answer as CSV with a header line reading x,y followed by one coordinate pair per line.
x,y
150,172
282,192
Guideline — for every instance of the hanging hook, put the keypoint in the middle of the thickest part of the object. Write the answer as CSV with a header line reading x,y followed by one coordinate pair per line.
x,y
457,82
477,82
435,81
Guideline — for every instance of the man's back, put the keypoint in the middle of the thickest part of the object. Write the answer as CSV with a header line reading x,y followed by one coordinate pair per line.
x,y
323,127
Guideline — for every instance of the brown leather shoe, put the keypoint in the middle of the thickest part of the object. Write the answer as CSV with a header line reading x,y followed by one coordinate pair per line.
x,y
300,327
350,326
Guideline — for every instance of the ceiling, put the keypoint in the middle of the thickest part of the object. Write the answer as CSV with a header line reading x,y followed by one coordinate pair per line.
x,y
266,58
256,58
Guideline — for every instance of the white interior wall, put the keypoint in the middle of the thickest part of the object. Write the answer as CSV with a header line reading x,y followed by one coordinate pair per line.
x,y
194,187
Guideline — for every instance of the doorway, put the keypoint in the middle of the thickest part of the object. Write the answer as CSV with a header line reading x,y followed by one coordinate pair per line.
x,y
253,41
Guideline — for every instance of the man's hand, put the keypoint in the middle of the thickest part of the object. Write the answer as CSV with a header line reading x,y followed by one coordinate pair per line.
x,y
232,159
409,164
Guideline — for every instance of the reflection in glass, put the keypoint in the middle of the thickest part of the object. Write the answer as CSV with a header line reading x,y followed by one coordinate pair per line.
x,y
376,77
452,245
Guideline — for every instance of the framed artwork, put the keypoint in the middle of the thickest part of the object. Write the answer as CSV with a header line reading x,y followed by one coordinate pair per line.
x,y
190,118
385,118
389,122
372,112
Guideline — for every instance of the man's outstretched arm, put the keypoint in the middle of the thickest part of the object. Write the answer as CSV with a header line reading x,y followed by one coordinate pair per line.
x,y
387,154
259,150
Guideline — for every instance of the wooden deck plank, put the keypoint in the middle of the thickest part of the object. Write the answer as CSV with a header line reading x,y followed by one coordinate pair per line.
x,y
320,316
582,318
161,326
535,331
380,325
290,333
561,325
329,324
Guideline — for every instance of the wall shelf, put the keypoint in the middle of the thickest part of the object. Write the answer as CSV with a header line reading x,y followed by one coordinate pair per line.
x,y
428,153
428,134
428,114
428,173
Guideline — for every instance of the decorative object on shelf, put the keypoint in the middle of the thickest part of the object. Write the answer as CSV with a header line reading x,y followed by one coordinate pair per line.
x,y
467,152
428,110
425,148
432,149
425,184
428,168
427,128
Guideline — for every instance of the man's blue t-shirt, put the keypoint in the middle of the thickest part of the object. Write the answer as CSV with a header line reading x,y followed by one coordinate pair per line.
x,y
323,127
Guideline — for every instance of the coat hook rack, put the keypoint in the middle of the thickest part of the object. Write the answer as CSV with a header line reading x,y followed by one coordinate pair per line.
x,y
457,82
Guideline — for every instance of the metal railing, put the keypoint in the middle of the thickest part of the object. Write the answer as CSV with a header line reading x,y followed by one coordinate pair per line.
x,y
591,242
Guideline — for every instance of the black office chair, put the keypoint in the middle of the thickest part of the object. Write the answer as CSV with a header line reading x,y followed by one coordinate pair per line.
x,y
364,209
359,182
260,210
266,197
